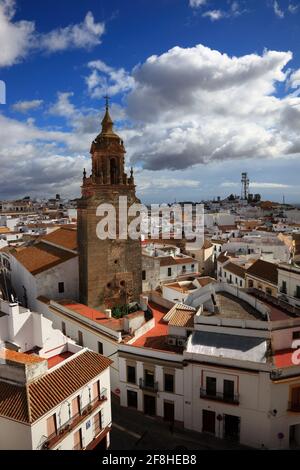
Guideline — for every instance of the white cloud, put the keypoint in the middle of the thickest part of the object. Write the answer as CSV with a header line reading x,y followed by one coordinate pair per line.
x,y
83,35
63,107
257,185
19,38
186,107
25,106
277,10
106,80
214,15
197,3
145,182
196,105
293,8
15,38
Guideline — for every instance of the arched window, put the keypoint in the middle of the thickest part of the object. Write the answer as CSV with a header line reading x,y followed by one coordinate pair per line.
x,y
113,171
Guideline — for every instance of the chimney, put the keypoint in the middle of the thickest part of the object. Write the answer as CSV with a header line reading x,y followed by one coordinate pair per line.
x,y
144,302
107,312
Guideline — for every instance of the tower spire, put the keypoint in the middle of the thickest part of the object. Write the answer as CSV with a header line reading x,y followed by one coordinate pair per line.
x,y
107,122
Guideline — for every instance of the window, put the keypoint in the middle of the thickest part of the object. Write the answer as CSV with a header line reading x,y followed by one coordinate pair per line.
x,y
225,274
169,383
169,272
143,275
149,378
132,398
241,283
61,287
211,386
192,267
51,425
183,269
296,334
268,291
80,338
228,389
250,283
100,347
75,406
96,390
295,396
283,289
297,292
131,375
63,327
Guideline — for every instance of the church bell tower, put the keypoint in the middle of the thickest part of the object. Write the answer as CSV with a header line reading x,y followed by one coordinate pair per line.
x,y
110,269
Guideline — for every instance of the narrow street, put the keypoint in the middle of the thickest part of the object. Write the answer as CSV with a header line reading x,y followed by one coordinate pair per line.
x,y
133,430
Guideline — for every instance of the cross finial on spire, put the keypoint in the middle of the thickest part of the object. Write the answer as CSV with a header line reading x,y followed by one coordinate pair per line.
x,y
107,98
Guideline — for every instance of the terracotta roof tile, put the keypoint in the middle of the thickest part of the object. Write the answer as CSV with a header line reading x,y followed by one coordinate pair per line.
x,y
222,258
65,237
13,402
182,318
30,402
235,269
169,261
264,270
40,257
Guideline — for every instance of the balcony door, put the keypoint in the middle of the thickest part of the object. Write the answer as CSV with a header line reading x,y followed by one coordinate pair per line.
x,y
96,390
149,378
228,390
51,425
75,406
78,440
211,386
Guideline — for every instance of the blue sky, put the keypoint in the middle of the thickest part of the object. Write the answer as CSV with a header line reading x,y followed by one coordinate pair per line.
x,y
201,91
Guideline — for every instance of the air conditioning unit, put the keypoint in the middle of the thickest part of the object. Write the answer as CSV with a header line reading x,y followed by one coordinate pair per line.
x,y
171,341
181,342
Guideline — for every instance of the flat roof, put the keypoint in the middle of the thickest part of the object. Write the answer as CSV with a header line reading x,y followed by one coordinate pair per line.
x,y
230,306
243,348
156,338
58,358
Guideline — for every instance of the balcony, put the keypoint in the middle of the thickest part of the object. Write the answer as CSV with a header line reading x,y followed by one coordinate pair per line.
x,y
219,396
148,385
61,432
294,406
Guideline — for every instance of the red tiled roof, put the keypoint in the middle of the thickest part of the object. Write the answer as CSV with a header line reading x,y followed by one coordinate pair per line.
x,y
235,269
222,258
41,257
65,237
29,403
169,261
264,270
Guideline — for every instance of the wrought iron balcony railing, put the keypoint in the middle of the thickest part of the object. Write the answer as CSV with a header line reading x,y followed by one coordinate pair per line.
x,y
219,396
